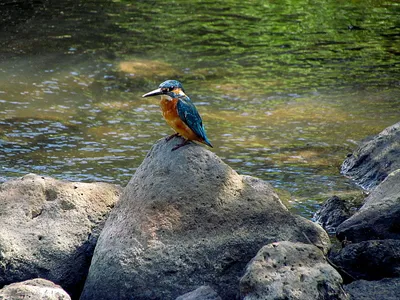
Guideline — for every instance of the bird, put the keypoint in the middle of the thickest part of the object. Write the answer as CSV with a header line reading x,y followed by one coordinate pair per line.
x,y
180,113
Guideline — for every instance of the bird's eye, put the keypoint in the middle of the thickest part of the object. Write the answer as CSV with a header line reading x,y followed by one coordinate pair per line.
x,y
171,88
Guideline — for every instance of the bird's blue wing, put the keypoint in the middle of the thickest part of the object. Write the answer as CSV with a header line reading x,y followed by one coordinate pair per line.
x,y
190,116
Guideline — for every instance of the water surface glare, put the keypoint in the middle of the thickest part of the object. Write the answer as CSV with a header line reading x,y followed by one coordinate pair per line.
x,y
286,89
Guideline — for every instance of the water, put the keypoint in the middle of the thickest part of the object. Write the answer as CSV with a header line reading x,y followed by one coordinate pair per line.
x,y
285,88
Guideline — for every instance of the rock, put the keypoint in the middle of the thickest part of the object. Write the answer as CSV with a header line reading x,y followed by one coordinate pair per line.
x,y
287,270
370,260
336,209
379,217
202,293
187,219
48,228
374,159
33,289
372,235
385,289
332,213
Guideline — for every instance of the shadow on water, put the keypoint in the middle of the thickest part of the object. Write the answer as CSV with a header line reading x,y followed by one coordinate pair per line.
x,y
285,88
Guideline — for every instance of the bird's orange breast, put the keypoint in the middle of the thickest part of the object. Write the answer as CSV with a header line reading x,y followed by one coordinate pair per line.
x,y
170,114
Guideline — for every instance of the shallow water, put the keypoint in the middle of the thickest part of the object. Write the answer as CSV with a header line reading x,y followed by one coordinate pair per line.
x,y
285,88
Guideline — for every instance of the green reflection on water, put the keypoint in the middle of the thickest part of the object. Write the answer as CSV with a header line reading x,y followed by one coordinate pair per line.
x,y
285,88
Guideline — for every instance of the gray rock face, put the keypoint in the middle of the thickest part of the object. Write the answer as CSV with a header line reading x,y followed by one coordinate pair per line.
x,y
34,289
187,219
371,237
370,260
48,228
379,217
287,270
375,159
202,293
385,289
332,213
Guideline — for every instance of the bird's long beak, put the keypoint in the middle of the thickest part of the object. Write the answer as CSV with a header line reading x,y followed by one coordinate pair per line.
x,y
153,93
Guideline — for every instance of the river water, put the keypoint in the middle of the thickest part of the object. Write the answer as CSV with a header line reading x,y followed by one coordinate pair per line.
x,y
286,89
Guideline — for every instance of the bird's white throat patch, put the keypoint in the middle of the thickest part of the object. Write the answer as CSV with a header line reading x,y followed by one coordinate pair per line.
x,y
166,97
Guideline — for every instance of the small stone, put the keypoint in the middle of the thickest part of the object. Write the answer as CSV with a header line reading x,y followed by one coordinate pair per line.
x,y
204,292
331,214
33,289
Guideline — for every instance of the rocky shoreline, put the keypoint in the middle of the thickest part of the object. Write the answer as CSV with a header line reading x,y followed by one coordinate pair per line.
x,y
369,258
187,226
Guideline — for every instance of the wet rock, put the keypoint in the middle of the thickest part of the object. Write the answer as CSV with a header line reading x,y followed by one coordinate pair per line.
x,y
332,213
387,289
374,159
370,260
202,293
48,228
287,270
187,219
33,289
379,217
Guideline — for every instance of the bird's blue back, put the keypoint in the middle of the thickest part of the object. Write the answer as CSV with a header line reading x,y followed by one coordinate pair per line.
x,y
190,116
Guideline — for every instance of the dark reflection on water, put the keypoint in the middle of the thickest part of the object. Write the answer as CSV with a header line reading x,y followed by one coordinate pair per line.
x,y
286,88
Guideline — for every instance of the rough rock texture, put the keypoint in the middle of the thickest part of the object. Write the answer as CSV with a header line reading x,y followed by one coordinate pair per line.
x,y
187,219
33,289
385,289
287,270
379,217
202,293
370,260
375,159
48,228
332,213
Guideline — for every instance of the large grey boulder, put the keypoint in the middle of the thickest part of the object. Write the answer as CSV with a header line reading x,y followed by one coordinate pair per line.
x,y
370,260
379,217
385,289
374,159
184,220
48,228
34,289
287,270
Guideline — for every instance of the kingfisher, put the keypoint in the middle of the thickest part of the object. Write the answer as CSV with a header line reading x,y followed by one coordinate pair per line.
x,y
180,113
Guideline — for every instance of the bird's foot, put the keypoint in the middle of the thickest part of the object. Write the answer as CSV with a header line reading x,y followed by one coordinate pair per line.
x,y
167,139
180,145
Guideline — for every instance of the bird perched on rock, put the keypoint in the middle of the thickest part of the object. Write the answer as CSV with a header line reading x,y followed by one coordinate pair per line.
x,y
180,113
